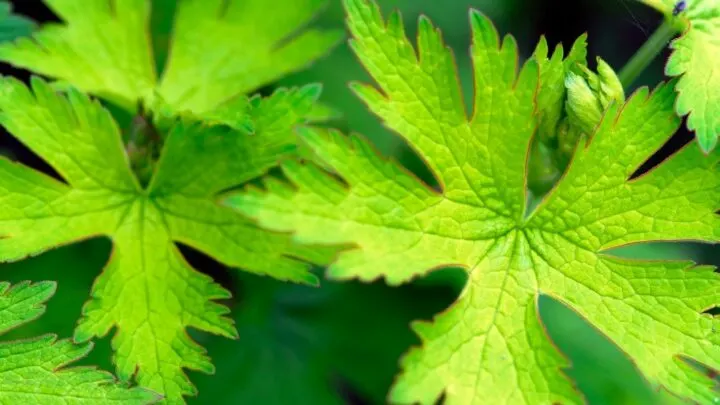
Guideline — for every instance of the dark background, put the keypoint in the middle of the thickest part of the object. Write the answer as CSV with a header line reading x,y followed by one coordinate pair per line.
x,y
353,334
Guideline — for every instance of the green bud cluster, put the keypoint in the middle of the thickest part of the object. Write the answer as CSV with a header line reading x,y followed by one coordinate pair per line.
x,y
587,96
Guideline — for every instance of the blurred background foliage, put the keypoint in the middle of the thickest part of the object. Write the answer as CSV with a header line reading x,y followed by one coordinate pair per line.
x,y
340,343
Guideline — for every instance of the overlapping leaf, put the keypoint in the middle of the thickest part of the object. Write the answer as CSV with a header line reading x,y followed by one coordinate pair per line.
x,y
696,58
220,50
547,161
251,46
103,48
490,347
147,291
554,69
35,370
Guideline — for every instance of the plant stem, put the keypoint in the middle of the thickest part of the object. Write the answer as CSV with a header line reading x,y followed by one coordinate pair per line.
x,y
647,53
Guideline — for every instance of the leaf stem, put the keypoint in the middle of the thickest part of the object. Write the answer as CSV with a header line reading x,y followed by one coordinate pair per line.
x,y
647,53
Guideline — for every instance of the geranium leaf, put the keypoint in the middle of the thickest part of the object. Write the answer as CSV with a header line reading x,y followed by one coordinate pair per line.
x,y
696,59
102,47
490,346
147,290
251,47
220,50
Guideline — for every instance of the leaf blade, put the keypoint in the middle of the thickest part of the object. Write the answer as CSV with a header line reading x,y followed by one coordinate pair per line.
x,y
694,59
84,50
36,369
281,45
559,249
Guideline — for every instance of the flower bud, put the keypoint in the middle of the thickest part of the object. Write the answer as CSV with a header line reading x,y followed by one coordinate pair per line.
x,y
582,105
610,87
589,94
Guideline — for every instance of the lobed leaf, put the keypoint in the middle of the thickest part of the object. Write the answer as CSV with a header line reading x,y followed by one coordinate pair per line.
x,y
104,48
147,291
490,346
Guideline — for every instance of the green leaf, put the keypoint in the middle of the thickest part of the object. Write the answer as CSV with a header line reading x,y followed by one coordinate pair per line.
x,y
601,372
313,346
696,59
221,50
553,70
547,159
490,346
598,368
101,48
36,370
147,291
251,46
74,267
13,26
